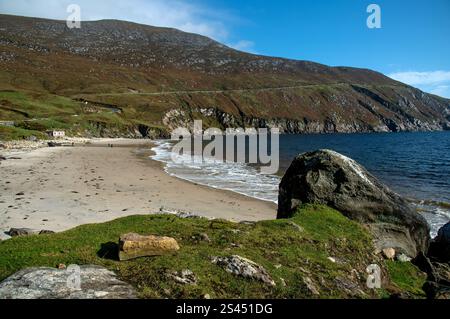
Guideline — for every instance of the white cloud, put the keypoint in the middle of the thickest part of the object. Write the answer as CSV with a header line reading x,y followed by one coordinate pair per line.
x,y
442,90
436,82
189,17
421,78
243,45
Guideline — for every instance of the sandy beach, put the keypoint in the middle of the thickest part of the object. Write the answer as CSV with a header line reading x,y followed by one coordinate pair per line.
x,y
63,187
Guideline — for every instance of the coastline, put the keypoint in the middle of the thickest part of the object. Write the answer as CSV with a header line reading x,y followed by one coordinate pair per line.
x,y
64,187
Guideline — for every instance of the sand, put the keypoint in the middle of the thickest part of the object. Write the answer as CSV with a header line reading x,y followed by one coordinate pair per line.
x,y
64,187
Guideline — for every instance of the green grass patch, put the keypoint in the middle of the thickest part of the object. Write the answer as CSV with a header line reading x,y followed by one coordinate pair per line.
x,y
407,277
15,133
291,250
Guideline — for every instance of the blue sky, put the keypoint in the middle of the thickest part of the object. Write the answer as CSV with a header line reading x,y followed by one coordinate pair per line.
x,y
413,44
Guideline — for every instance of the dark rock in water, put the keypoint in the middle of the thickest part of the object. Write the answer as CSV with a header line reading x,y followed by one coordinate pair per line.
x,y
2,158
440,246
329,178
84,282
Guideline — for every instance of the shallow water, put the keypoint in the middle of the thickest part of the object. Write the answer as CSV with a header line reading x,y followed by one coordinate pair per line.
x,y
415,165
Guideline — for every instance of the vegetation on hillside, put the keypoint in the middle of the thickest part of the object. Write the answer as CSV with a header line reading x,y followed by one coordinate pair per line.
x,y
146,71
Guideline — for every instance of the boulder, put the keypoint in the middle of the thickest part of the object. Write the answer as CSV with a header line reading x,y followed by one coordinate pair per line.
x,y
329,178
134,246
243,267
48,283
440,246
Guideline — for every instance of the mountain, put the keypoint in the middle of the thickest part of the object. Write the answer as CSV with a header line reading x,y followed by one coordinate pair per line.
x,y
116,78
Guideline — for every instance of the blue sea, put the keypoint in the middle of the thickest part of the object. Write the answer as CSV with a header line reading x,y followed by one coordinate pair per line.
x,y
415,165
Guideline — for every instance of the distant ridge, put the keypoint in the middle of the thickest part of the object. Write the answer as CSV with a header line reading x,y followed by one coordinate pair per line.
x,y
132,67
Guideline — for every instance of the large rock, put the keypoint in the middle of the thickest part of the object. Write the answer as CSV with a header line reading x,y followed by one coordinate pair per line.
x,y
440,246
134,246
47,283
244,267
329,178
437,285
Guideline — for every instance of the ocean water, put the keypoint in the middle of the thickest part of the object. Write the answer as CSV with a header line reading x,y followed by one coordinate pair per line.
x,y
415,165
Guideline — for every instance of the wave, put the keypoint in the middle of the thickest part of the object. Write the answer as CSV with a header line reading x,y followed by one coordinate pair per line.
x,y
247,180
237,177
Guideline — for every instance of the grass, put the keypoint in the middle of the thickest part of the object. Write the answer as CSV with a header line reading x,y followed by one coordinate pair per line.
x,y
16,133
290,250
39,112
407,277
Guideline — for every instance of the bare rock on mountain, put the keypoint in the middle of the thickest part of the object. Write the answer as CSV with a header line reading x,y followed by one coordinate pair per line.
x,y
329,178
47,283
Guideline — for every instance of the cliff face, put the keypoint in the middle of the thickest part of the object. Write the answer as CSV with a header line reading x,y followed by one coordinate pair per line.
x,y
162,78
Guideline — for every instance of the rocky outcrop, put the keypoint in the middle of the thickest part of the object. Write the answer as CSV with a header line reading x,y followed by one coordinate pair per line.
x,y
19,232
440,246
133,246
244,267
84,282
184,118
437,285
329,178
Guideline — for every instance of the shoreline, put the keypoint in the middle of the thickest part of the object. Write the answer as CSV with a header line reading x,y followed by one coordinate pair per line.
x,y
60,188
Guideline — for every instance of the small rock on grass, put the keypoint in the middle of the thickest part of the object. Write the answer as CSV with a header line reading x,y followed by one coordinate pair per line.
x,y
403,258
185,277
389,253
311,286
243,267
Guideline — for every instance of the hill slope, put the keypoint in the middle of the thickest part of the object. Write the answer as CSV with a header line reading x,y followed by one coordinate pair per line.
x,y
114,78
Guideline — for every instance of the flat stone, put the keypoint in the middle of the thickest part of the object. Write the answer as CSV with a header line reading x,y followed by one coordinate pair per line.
x,y
244,267
403,258
133,246
50,283
17,232
185,277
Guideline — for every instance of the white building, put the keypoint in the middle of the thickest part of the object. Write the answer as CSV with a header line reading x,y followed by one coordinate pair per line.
x,y
57,134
